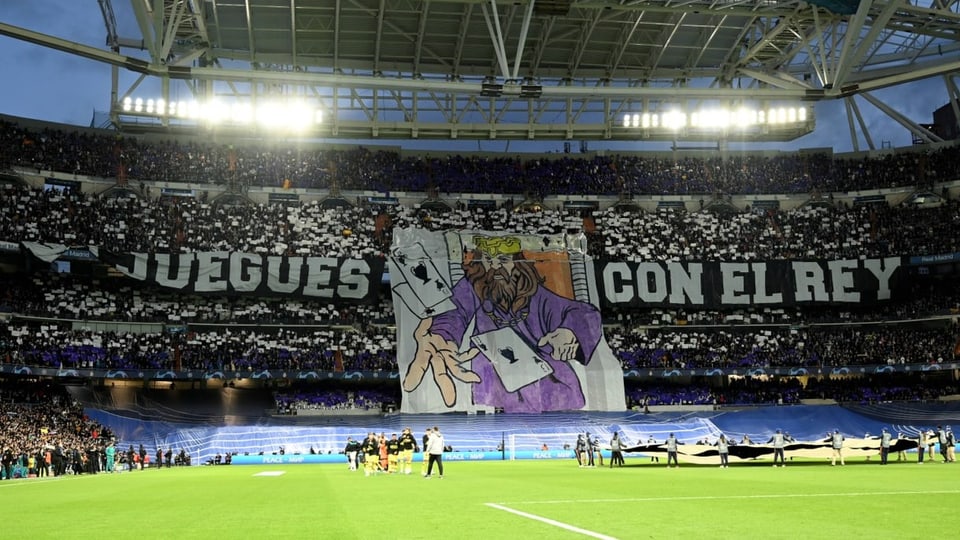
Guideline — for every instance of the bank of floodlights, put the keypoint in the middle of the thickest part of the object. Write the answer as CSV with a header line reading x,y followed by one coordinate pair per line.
x,y
718,119
286,115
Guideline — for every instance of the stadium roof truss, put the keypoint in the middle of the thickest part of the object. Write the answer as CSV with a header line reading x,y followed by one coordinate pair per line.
x,y
530,69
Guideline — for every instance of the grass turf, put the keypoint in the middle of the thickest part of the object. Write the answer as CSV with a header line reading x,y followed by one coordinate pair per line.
x,y
643,500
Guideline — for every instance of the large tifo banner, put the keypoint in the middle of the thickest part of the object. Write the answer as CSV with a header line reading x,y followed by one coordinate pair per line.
x,y
762,283
489,321
340,279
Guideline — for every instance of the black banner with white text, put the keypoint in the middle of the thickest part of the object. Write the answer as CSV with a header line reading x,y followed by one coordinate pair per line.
x,y
741,284
339,279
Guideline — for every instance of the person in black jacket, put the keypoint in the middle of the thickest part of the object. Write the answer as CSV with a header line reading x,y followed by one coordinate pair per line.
x,y
408,445
616,456
351,450
425,461
951,445
6,462
60,460
371,450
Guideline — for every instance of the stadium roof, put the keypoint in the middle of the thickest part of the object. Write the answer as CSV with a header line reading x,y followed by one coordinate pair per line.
x,y
534,69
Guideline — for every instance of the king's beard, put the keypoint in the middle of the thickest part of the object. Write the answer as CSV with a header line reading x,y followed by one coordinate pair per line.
x,y
507,291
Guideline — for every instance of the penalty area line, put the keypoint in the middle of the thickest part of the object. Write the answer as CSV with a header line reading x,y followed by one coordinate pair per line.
x,y
548,521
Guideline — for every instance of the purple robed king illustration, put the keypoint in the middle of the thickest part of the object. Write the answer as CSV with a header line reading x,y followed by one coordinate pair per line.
x,y
497,337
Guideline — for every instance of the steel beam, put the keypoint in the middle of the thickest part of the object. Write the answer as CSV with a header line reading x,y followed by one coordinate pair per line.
x,y
915,128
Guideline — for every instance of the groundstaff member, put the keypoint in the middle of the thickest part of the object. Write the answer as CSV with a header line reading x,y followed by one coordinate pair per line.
x,y
434,452
836,442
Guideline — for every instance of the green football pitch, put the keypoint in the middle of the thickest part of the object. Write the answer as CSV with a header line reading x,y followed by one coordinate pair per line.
x,y
492,500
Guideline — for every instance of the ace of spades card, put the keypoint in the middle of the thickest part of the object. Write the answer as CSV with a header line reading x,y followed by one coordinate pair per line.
x,y
415,304
516,363
421,275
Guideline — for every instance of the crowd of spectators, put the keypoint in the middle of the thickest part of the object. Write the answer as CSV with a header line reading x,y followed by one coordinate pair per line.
x,y
828,232
818,346
224,349
745,391
134,224
869,389
223,333
43,431
294,400
175,225
878,389
331,349
105,154
68,296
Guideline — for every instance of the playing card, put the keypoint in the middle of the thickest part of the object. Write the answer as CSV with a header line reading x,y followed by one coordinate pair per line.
x,y
415,303
423,277
513,359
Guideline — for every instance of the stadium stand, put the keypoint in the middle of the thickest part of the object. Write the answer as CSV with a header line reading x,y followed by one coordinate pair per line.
x,y
45,432
87,319
101,154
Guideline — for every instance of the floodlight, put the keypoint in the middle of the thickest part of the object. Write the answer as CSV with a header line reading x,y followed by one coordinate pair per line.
x,y
266,114
241,113
290,115
704,122
713,118
298,116
744,118
674,120
217,112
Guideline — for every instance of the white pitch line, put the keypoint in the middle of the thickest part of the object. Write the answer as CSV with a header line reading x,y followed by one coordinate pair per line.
x,y
553,522
735,497
46,479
